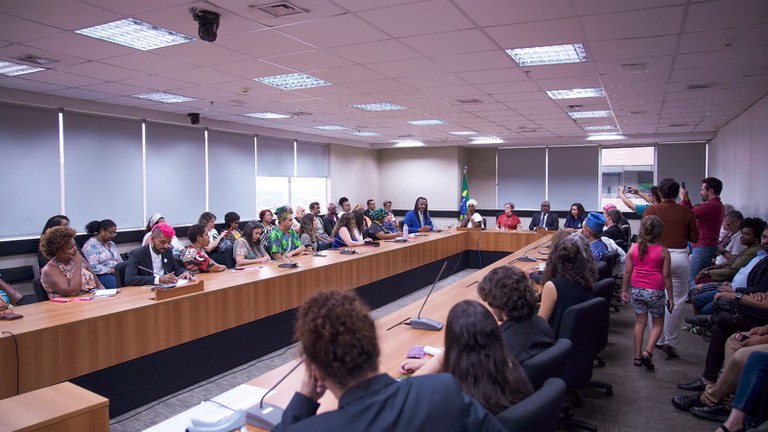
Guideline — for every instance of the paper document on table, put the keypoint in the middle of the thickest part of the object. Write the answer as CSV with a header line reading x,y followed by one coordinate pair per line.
x,y
243,397
106,292
182,282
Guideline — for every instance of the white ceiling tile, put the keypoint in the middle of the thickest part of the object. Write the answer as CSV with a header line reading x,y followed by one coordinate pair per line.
x,y
509,87
722,73
347,74
541,33
262,43
412,67
313,10
650,64
201,53
424,81
178,18
497,12
476,61
377,86
742,37
424,17
632,48
247,69
99,70
457,42
115,89
489,76
62,79
725,14
147,62
29,85
335,31
708,59
376,52
157,82
309,61
81,94
634,79
66,15
80,46
562,71
569,83
596,7
134,7
19,30
621,25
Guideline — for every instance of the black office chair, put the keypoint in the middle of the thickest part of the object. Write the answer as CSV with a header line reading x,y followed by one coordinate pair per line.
x,y
538,412
40,292
627,230
603,271
580,325
120,274
604,290
229,256
548,363
610,259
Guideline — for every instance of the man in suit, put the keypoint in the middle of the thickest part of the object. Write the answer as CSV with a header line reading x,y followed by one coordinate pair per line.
x,y
330,219
341,354
544,220
156,256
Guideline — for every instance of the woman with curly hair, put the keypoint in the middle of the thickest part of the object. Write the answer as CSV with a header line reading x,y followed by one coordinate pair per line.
x,y
511,298
575,218
474,354
67,273
568,279
378,230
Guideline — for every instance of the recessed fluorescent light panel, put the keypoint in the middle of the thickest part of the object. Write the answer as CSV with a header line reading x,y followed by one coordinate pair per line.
x,y
605,136
164,97
331,128
590,114
293,81
13,69
576,93
266,115
407,143
382,106
598,128
462,133
486,140
135,34
553,54
427,122
365,134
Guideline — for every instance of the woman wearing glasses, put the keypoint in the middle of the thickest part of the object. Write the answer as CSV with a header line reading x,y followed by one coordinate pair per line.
x,y
101,252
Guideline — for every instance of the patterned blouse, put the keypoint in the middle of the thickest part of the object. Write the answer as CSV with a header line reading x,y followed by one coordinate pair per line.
x,y
88,279
281,243
243,249
196,260
102,258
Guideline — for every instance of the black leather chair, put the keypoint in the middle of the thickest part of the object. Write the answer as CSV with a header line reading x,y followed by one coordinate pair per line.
x,y
603,271
604,290
120,274
538,412
610,258
40,292
548,363
229,256
580,325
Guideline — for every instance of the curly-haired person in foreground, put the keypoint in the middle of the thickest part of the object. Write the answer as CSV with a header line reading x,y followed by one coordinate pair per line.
x,y
341,354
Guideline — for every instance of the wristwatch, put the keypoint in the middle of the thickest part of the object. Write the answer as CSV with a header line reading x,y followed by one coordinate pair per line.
x,y
739,296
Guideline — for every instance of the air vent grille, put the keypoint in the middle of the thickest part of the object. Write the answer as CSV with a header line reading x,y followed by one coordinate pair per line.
x,y
281,9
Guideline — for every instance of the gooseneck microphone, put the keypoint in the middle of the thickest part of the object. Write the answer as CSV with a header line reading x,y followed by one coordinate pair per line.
x,y
289,264
267,416
427,323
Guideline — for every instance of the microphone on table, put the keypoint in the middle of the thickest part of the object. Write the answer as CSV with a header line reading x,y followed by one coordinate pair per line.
x,y
267,416
289,264
427,323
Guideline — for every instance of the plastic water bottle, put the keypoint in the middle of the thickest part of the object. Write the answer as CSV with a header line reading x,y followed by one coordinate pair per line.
x,y
405,232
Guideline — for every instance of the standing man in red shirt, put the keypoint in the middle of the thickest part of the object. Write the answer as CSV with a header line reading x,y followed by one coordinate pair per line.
x,y
709,217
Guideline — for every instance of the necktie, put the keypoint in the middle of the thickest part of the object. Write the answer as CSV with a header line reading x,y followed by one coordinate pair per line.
x,y
543,219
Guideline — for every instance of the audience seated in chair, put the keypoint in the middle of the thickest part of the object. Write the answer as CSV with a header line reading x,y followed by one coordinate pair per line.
x,y
68,272
508,220
194,256
101,252
248,249
154,263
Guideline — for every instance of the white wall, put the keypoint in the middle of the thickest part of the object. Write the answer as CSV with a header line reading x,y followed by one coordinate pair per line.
x,y
739,155
408,173
353,173
481,178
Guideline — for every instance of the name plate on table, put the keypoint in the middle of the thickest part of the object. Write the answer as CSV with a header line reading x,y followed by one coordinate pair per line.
x,y
165,293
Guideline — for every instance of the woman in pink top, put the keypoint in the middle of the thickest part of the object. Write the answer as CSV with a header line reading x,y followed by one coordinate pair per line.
x,y
648,269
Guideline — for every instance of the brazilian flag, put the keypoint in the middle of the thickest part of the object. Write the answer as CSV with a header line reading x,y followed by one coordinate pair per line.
x,y
464,197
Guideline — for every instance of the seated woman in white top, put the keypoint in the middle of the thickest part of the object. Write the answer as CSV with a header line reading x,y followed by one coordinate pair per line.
x,y
175,242
472,218
208,220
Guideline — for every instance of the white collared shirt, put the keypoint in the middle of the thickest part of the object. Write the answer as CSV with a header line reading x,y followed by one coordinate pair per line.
x,y
157,264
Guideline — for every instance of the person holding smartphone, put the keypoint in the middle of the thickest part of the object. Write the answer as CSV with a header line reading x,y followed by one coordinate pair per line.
x,y
649,272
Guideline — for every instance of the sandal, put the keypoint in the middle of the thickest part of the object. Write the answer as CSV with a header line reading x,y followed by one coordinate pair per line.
x,y
647,360
725,429
638,362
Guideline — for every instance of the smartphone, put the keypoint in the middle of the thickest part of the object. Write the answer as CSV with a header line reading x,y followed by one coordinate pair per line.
x,y
741,337
627,189
682,185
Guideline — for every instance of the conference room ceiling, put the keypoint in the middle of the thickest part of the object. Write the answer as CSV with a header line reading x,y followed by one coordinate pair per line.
x,y
671,70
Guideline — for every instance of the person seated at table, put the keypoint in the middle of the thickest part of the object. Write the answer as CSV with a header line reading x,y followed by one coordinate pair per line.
x,y
300,212
378,231
231,231
387,205
509,294
653,198
592,229
508,221
390,223
323,240
194,256
571,271
613,229
267,219
67,272
176,245
154,263
473,347
101,252
344,205
283,240
545,219
330,220
575,218
361,226
248,249
343,233
418,219
341,354
370,206
307,234
208,221
472,219
8,294
53,221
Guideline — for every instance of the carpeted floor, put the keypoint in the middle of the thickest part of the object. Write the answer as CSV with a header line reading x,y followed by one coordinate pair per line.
x,y
640,402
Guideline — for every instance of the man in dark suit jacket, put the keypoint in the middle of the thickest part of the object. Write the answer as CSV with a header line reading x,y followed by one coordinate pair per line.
x,y
157,256
551,222
368,400
330,219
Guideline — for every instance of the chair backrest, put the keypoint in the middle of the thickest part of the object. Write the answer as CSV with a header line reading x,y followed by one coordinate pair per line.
x,y
610,258
538,412
120,274
229,256
604,289
548,363
603,270
40,292
580,325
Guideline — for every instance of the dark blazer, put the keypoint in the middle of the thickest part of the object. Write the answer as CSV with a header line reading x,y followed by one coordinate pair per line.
x,y
329,223
427,403
552,222
142,257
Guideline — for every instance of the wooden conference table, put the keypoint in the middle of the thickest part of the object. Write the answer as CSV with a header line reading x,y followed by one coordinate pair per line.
x,y
395,339
56,342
